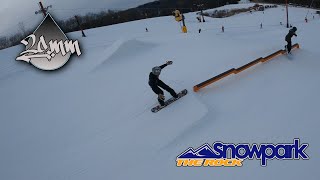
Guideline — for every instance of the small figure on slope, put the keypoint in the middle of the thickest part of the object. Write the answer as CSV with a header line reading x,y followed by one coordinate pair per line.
x,y
292,32
155,83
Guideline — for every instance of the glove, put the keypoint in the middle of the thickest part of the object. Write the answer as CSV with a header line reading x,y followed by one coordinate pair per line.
x,y
161,96
169,62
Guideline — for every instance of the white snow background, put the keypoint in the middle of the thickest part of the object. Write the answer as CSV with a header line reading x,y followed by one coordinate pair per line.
x,y
91,119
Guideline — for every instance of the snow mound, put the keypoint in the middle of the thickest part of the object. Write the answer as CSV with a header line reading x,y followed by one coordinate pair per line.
x,y
123,50
92,118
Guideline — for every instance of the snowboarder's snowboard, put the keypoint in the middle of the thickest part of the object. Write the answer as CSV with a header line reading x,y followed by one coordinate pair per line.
x,y
169,101
289,55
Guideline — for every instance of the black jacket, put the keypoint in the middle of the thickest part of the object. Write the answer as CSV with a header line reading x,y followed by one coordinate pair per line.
x,y
153,79
290,34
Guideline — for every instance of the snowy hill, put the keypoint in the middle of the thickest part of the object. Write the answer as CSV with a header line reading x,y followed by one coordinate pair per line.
x,y
92,119
11,15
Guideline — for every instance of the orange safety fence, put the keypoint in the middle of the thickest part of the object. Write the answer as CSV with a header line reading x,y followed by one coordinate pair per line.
x,y
197,87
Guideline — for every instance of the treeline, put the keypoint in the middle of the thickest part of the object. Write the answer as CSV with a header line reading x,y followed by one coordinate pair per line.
x,y
105,18
304,3
149,10
15,39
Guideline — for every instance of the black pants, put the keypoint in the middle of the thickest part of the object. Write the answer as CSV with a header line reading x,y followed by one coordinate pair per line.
x,y
158,91
289,45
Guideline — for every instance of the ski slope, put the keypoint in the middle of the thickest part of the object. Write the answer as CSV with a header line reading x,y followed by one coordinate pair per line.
x,y
92,119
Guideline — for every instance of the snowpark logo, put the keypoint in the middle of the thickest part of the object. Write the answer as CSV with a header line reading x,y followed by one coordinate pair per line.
x,y
48,48
231,155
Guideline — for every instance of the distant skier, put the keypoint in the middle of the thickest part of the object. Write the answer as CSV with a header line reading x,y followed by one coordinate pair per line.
x,y
199,19
292,32
155,83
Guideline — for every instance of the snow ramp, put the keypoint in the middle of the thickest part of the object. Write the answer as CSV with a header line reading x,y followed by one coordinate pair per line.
x,y
123,49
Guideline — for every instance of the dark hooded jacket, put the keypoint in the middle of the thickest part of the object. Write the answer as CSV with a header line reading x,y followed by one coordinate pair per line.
x,y
290,34
154,79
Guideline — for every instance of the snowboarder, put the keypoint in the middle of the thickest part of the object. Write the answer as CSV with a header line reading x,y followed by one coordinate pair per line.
x,y
292,32
155,83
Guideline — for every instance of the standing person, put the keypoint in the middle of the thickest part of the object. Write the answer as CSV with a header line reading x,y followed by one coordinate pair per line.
x,y
292,32
155,83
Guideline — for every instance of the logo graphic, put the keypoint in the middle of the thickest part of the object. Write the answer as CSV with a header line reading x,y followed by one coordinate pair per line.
x,y
231,155
48,48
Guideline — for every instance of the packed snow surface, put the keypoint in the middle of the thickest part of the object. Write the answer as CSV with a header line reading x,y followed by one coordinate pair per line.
x,y
91,119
